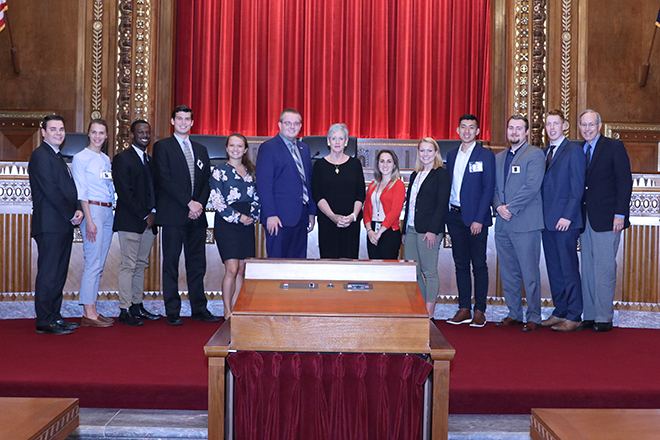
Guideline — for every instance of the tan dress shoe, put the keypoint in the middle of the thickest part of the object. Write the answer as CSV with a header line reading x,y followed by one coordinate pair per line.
x,y
567,326
87,322
508,322
530,327
552,320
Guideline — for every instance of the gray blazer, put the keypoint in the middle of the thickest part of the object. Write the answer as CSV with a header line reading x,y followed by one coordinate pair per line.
x,y
522,191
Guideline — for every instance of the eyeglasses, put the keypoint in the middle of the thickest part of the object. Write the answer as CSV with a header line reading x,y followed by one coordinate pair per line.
x,y
289,124
589,125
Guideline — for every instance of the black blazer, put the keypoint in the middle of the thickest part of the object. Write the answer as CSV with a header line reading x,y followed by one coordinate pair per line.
x,y
432,201
172,180
54,195
607,185
135,192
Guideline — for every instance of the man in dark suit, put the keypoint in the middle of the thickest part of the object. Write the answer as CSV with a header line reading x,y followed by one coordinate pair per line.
x,y
55,211
181,173
284,181
605,212
517,200
563,185
472,169
134,222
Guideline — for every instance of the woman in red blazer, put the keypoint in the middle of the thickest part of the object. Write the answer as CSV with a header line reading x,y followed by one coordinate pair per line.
x,y
382,208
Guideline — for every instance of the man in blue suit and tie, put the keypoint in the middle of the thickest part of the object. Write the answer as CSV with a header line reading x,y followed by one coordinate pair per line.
x,y
605,212
284,181
563,185
472,169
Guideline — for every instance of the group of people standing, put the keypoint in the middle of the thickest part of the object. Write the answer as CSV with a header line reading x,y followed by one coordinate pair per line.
x,y
557,194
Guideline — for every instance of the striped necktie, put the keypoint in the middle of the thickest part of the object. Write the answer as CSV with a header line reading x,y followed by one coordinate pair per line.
x,y
187,151
301,170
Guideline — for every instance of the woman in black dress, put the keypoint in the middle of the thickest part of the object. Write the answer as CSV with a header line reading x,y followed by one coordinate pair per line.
x,y
234,197
338,190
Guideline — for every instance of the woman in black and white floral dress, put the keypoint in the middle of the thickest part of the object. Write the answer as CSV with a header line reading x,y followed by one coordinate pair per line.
x,y
236,203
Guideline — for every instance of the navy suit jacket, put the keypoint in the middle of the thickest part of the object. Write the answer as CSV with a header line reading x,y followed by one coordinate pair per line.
x,y
477,188
279,184
135,191
607,185
54,195
172,181
563,185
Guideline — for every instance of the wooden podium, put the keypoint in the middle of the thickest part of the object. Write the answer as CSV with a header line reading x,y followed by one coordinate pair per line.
x,y
307,306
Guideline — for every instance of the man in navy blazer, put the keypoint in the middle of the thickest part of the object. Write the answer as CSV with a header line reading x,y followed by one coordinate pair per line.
x,y
55,211
472,170
605,212
517,200
135,222
563,185
284,181
182,171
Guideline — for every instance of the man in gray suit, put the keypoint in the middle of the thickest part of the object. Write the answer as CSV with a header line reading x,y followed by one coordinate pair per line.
x,y
518,176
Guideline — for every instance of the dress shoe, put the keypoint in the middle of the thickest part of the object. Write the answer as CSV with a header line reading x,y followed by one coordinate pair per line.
x,y
125,317
589,323
567,326
174,320
106,319
508,322
530,327
139,311
602,326
479,319
463,316
205,316
54,329
88,322
552,320
68,325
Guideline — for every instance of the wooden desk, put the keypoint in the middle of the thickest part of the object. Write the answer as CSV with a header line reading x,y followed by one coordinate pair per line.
x,y
391,318
601,424
37,418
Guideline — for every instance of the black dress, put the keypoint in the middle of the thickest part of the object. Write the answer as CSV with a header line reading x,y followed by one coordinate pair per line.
x,y
231,196
341,190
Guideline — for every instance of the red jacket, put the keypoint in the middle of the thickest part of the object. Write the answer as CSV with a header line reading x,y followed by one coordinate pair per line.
x,y
392,199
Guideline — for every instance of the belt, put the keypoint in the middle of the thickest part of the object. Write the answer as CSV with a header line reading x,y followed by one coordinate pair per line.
x,y
455,208
107,205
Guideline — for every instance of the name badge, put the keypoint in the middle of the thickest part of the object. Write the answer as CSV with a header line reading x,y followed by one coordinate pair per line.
x,y
105,174
515,169
476,167
200,164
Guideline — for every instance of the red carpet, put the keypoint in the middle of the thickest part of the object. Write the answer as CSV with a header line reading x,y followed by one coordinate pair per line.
x,y
496,371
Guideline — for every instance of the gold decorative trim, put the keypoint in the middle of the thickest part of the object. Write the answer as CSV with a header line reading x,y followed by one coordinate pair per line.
x,y
539,59
124,73
142,58
611,128
97,59
521,57
25,115
566,41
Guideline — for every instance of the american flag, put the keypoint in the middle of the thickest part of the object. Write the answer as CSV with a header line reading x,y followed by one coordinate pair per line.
x,y
3,8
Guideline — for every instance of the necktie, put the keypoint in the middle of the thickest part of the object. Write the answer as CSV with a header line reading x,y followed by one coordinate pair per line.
x,y
587,154
187,151
68,170
301,170
548,159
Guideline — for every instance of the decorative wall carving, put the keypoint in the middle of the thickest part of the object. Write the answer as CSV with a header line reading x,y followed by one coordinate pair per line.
x,y
566,40
134,86
124,72
529,65
97,60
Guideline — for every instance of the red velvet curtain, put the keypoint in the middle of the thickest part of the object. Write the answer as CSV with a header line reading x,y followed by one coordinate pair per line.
x,y
400,69
326,397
